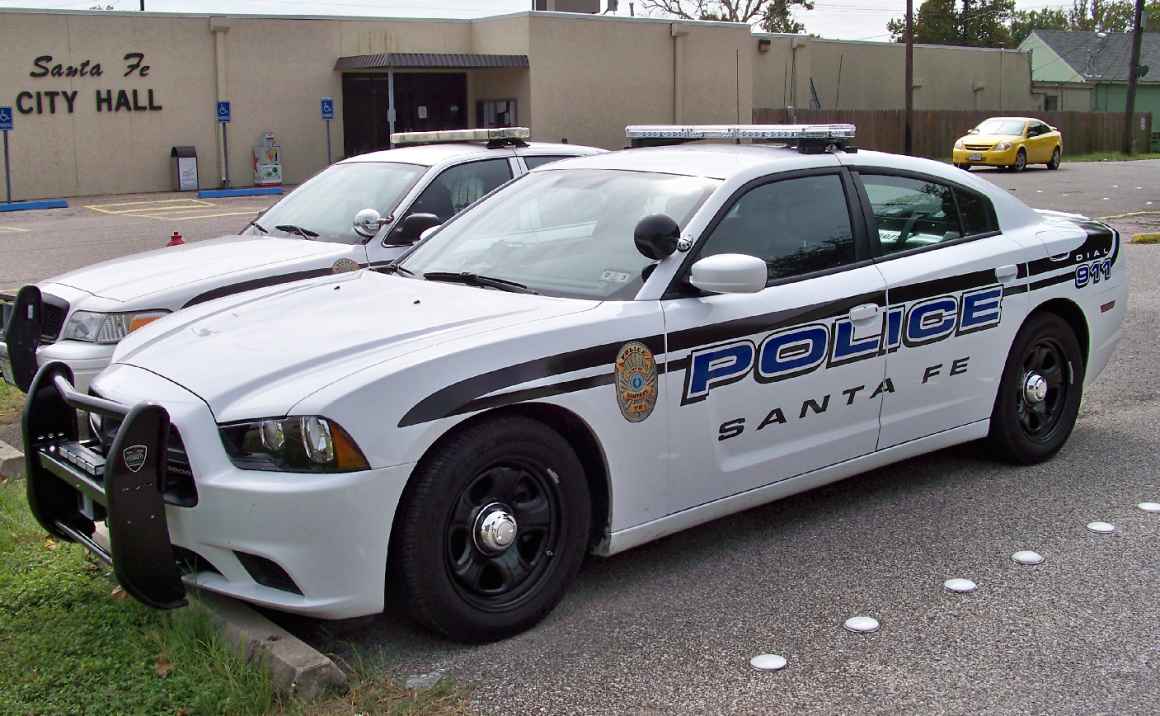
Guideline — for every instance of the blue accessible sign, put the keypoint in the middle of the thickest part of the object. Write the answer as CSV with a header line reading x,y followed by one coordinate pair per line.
x,y
223,111
5,119
328,108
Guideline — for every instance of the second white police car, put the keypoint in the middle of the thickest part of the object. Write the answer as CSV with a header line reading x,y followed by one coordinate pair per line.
x,y
601,353
362,211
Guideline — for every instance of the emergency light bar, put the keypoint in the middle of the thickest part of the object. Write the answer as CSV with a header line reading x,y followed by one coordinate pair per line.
x,y
809,138
498,135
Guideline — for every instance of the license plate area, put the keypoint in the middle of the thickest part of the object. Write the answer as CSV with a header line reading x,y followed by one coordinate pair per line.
x,y
975,157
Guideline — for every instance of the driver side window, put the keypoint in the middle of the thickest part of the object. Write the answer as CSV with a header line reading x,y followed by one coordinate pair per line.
x,y
911,213
458,187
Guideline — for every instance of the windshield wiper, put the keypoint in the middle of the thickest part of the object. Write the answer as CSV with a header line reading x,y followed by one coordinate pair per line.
x,y
292,229
259,227
474,279
394,267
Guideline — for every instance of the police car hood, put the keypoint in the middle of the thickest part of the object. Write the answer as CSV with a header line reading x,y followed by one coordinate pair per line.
x,y
257,354
202,266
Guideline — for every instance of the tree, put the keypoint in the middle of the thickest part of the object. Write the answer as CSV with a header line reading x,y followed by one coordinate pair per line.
x,y
772,15
1024,21
941,22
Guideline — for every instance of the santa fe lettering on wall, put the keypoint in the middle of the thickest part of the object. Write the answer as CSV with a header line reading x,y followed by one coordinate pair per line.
x,y
106,100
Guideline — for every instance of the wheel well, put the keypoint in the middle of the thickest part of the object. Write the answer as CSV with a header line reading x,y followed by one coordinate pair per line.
x,y
1070,312
579,436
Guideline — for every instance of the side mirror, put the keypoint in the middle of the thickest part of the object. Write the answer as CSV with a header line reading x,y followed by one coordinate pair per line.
x,y
729,273
656,236
428,231
368,222
411,229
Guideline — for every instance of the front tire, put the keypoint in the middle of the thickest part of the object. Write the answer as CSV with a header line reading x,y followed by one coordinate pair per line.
x,y
1040,392
492,530
1056,158
1020,161
964,167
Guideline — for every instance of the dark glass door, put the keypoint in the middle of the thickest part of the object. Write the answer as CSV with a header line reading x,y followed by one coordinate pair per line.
x,y
364,113
430,101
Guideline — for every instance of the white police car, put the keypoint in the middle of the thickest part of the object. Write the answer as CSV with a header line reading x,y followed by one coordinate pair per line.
x,y
361,211
601,353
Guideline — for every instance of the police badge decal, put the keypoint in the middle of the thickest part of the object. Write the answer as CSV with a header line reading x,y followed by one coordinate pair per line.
x,y
636,381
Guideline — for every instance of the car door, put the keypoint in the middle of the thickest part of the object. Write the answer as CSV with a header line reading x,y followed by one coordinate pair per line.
x,y
773,384
945,262
448,193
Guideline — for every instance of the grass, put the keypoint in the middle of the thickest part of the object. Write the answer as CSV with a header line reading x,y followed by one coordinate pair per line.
x,y
1146,238
71,642
11,403
1110,157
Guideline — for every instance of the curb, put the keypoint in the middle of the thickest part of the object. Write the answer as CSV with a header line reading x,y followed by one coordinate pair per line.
x,y
229,193
34,204
11,461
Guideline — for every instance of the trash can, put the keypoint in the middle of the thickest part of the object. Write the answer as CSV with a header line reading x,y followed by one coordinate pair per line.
x,y
184,168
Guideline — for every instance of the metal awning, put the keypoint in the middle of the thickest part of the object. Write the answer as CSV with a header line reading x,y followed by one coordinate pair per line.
x,y
429,60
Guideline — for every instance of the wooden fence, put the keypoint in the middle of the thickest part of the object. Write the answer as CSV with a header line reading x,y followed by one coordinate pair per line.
x,y
935,131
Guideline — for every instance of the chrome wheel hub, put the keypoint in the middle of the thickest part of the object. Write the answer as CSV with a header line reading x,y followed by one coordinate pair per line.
x,y
495,529
1034,388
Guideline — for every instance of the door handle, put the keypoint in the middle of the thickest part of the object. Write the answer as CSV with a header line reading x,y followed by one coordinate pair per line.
x,y
864,312
1006,273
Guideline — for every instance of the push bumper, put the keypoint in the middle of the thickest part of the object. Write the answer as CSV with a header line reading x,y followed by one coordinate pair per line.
x,y
987,157
302,543
21,350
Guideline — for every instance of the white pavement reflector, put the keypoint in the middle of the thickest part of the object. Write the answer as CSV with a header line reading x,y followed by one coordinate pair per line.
x,y
960,586
768,662
1026,556
1102,528
1149,506
861,625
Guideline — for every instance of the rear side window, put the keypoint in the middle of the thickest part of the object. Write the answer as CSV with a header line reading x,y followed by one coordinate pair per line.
x,y
540,161
977,213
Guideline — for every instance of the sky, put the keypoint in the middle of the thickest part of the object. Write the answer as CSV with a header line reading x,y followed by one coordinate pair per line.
x,y
842,19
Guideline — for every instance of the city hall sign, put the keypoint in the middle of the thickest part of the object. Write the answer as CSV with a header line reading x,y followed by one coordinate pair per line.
x,y
107,100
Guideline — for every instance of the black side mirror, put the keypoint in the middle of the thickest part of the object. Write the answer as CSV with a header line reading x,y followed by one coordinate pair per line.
x,y
409,229
656,236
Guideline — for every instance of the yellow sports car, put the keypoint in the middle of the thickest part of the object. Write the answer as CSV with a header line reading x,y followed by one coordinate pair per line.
x,y
1009,143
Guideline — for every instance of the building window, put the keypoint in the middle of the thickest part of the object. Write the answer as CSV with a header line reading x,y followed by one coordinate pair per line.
x,y
1051,103
495,113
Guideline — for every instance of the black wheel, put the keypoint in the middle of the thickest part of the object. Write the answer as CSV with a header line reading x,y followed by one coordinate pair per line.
x,y
1020,160
1056,157
492,530
964,167
1040,391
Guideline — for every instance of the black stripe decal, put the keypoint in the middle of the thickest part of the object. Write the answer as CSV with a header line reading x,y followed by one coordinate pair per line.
x,y
250,285
1100,238
939,286
1044,283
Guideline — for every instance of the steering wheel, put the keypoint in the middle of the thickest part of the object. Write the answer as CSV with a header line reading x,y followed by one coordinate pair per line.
x,y
908,227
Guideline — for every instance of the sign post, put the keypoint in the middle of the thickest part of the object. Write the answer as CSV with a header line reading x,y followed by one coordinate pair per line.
x,y
6,127
327,115
223,118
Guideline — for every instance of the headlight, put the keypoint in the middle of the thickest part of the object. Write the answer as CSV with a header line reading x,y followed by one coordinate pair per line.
x,y
1002,146
959,144
106,327
297,444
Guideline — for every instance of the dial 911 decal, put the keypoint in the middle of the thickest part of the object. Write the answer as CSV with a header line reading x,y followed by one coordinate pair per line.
x,y
636,381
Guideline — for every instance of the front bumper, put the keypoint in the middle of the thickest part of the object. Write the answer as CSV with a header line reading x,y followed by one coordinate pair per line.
x,y
309,544
989,157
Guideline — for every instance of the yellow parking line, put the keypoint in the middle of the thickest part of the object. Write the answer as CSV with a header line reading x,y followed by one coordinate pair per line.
x,y
1129,214
12,230
132,207
166,217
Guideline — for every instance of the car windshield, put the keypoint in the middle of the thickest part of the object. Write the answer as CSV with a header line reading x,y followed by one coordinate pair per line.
x,y
324,207
565,232
1001,126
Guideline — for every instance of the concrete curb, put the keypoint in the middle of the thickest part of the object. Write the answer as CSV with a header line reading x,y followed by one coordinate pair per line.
x,y
11,461
294,666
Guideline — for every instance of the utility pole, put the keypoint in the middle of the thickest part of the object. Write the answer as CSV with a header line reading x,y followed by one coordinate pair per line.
x,y
1133,73
907,137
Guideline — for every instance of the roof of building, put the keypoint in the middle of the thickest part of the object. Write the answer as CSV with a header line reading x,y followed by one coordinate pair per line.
x,y
441,60
1103,58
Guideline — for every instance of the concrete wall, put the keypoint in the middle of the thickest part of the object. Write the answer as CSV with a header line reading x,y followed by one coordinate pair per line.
x,y
1069,97
870,75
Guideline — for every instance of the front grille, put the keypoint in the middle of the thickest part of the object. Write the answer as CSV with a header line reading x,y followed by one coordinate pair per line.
x,y
180,487
54,310
979,147
7,306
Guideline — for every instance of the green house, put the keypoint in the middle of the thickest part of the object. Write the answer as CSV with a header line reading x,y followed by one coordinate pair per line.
x,y
1088,71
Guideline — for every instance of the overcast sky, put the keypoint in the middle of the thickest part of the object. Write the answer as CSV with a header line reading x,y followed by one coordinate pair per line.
x,y
845,19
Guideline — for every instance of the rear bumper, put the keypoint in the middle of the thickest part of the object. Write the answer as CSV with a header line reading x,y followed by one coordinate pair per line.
x,y
309,544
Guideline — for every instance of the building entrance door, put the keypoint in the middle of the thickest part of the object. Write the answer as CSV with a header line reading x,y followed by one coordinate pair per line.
x,y
423,102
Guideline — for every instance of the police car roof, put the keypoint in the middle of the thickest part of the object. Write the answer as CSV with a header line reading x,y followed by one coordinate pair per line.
x,y
432,154
707,159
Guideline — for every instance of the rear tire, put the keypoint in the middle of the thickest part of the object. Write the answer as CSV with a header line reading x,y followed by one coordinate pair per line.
x,y
1025,428
458,577
1056,158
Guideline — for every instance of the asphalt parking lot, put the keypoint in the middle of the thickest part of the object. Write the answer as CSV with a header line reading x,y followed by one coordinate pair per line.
x,y
671,626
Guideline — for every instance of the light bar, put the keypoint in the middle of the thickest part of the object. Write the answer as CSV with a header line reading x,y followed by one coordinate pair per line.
x,y
462,135
785,132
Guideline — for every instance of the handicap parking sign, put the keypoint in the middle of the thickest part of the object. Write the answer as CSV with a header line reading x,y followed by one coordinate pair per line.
x,y
5,119
223,111
328,108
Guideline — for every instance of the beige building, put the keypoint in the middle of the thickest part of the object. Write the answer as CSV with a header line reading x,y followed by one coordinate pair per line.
x,y
101,97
